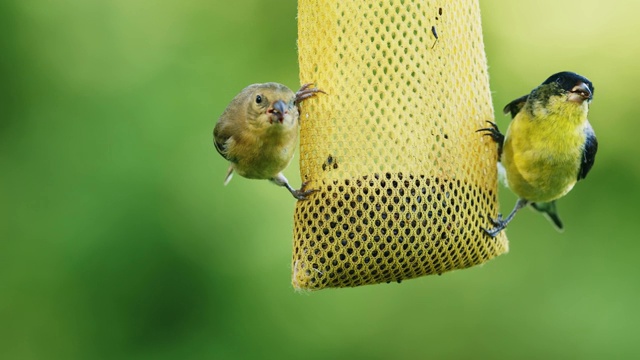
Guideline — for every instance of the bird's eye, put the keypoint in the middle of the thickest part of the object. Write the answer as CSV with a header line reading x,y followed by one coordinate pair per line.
x,y
258,99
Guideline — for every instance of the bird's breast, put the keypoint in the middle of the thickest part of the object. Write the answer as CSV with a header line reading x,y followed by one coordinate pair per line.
x,y
263,154
542,157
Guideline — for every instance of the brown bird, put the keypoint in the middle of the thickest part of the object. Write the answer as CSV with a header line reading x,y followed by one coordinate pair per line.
x,y
258,132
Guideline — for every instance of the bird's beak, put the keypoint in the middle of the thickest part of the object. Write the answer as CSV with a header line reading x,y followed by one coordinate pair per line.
x,y
279,109
580,93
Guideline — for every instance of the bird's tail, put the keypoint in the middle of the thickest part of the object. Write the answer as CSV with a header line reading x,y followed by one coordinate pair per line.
x,y
550,210
229,175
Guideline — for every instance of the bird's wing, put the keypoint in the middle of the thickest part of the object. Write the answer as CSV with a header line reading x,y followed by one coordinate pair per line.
x,y
220,138
588,153
515,106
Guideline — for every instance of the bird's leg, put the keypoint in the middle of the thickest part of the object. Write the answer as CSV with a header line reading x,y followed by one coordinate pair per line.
x,y
501,223
301,194
495,134
305,92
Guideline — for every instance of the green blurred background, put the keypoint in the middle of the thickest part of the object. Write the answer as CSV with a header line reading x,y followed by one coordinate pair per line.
x,y
118,240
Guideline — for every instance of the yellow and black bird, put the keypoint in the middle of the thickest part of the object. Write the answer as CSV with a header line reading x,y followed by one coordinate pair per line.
x,y
549,144
258,132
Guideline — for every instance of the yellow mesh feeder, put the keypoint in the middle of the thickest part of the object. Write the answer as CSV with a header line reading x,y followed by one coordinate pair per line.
x,y
405,183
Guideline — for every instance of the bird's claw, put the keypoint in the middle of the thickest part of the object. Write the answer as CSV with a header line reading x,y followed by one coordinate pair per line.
x,y
302,194
497,221
495,135
305,92
493,132
499,225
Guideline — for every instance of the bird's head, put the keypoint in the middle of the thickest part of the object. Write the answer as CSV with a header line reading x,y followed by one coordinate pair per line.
x,y
272,104
574,87
565,92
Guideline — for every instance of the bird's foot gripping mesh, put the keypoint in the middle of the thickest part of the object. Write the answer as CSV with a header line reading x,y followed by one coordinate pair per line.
x,y
405,183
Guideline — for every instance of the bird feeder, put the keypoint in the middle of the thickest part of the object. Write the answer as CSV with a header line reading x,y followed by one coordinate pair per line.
x,y
406,186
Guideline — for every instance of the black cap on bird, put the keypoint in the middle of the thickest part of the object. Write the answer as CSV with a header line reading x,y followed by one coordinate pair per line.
x,y
579,87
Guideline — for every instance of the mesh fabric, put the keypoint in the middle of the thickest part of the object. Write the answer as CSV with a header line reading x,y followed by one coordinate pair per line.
x,y
405,183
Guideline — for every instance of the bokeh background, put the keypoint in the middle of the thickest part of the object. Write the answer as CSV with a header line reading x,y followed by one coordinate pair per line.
x,y
118,240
